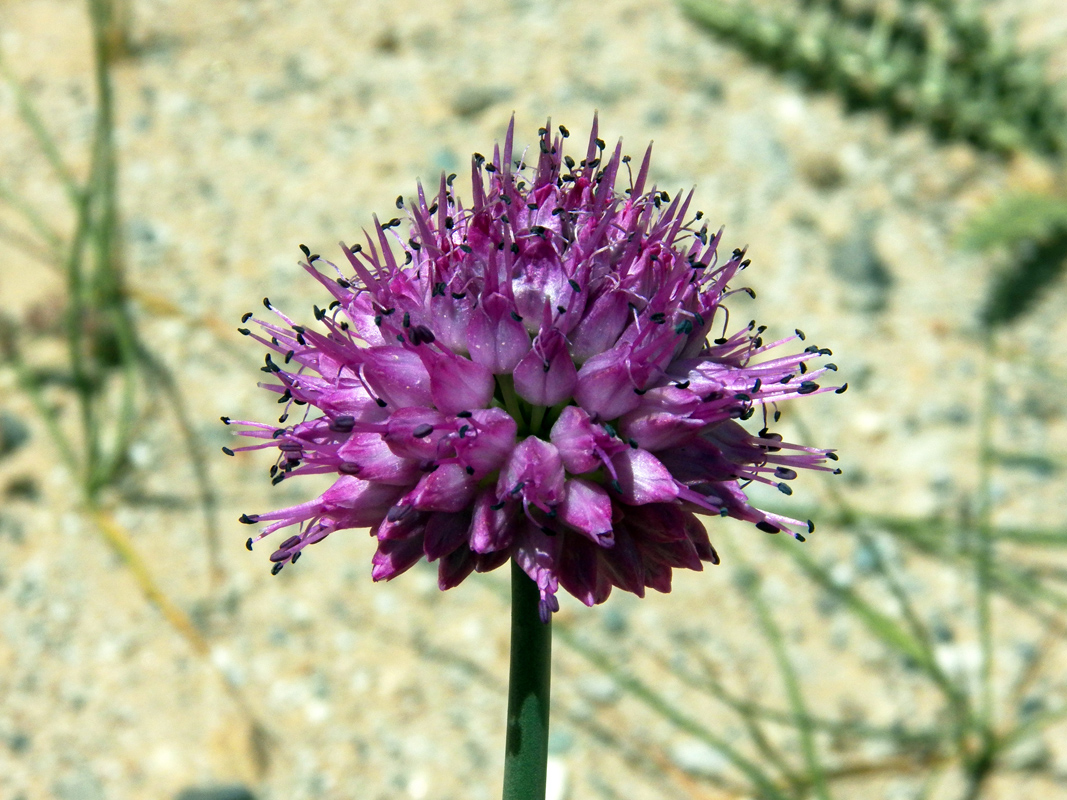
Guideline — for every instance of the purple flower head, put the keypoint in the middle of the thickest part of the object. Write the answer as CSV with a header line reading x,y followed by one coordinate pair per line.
x,y
529,376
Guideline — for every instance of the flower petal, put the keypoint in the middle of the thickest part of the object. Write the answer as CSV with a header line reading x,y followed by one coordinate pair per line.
x,y
642,478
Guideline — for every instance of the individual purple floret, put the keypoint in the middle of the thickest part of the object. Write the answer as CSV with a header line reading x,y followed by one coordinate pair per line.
x,y
530,377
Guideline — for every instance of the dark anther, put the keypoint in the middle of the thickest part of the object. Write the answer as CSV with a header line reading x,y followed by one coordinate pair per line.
x,y
832,456
684,327
777,415
575,285
289,356
747,413
756,386
397,513
785,473
515,247
546,366
564,132
569,162
227,451
785,488
507,199
497,506
449,222
633,443
639,391
463,431
378,320
800,334
470,470
304,249
451,177
799,537
532,206
464,415
266,302
433,209
515,316
277,479
422,431
296,556
277,433
811,526
811,348
807,387
400,201
466,248
225,420
287,395
557,211
335,304
610,429
320,314
600,144
244,331
407,319
248,544
381,403
561,309
659,318
537,230
830,366
249,519
836,472
458,295
246,316
842,390
803,368
343,423
682,385
749,291
745,263
616,486
786,379
766,527
273,470
666,197
276,568
420,334
344,283
394,222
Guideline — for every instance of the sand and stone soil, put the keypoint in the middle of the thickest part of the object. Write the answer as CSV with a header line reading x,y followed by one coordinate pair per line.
x,y
247,128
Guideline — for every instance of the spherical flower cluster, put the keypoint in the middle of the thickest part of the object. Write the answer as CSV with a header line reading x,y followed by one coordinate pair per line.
x,y
530,377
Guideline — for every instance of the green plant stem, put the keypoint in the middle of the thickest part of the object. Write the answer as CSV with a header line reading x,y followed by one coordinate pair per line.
x,y
526,751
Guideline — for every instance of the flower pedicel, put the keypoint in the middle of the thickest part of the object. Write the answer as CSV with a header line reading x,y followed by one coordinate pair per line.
x,y
529,377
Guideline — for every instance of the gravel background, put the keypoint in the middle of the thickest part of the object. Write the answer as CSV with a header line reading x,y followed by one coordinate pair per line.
x,y
246,128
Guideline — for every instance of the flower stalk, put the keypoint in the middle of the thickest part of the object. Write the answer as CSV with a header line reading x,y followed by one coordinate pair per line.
x,y
526,750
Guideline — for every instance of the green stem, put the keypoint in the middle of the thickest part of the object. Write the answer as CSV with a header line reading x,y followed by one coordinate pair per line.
x,y
537,416
526,753
511,400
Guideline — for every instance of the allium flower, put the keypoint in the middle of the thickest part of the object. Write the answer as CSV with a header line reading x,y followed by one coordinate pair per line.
x,y
530,377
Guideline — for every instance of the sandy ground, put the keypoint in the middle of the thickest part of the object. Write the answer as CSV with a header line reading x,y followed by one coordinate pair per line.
x,y
247,128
